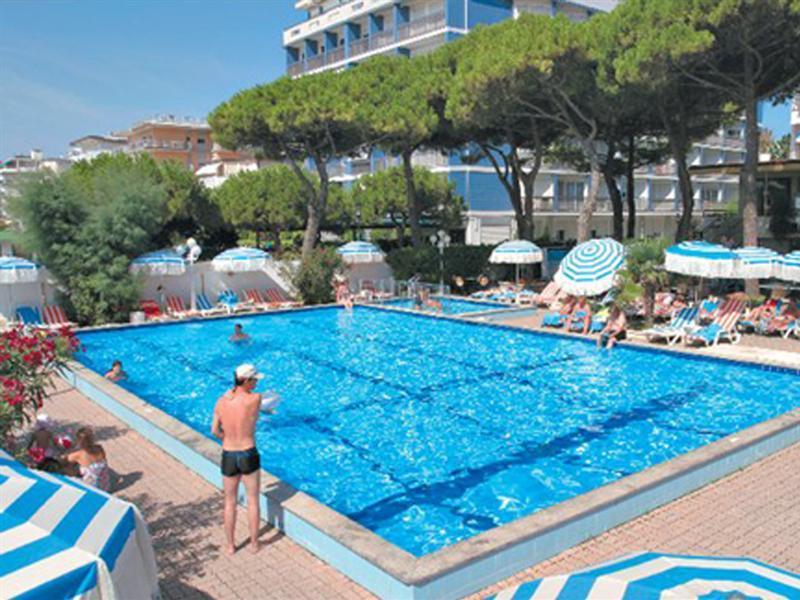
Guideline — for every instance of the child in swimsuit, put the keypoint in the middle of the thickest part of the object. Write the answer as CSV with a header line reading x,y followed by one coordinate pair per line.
x,y
91,460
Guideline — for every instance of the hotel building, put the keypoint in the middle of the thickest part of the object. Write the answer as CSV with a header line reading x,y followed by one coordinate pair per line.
x,y
337,34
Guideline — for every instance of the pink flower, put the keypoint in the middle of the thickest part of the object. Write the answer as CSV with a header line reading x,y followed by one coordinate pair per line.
x,y
36,454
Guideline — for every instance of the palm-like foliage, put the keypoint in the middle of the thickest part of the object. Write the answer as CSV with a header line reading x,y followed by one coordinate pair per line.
x,y
643,274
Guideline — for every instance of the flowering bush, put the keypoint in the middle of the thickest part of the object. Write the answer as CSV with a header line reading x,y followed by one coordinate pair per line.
x,y
28,360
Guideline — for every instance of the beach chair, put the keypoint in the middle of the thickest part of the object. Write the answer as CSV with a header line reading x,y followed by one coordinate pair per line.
x,y
279,298
548,295
676,329
230,300
792,328
257,299
29,315
206,308
151,309
708,309
722,328
55,317
177,308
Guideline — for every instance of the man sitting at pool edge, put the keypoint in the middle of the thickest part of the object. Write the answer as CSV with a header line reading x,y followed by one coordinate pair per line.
x,y
234,422
238,335
615,329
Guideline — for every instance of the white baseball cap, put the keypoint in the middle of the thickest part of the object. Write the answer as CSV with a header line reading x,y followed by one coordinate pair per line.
x,y
247,371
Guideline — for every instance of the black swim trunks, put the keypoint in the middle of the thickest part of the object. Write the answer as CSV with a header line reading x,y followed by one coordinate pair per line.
x,y
240,462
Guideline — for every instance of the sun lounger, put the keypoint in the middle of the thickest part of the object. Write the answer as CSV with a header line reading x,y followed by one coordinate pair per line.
x,y
29,315
231,301
279,298
206,308
257,299
54,316
550,293
151,309
676,329
792,328
177,308
722,328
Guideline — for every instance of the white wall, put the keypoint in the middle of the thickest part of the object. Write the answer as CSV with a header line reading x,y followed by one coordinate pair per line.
x,y
209,282
15,295
379,273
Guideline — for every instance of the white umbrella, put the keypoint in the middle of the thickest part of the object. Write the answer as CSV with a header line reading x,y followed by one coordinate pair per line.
x,y
757,262
237,260
160,262
789,267
360,252
591,268
517,252
702,259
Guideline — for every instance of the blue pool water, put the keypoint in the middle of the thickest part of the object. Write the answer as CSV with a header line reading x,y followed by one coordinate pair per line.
x,y
428,431
450,306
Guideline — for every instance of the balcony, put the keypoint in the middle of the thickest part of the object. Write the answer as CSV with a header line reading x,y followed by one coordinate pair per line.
x,y
418,27
381,39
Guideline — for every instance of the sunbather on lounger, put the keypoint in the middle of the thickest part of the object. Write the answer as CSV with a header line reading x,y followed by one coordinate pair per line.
x,y
581,314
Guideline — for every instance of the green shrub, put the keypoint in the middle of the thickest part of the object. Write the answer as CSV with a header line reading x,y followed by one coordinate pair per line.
x,y
312,279
466,261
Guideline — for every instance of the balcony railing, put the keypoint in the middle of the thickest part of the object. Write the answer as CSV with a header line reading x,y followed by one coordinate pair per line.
x,y
421,26
379,40
159,145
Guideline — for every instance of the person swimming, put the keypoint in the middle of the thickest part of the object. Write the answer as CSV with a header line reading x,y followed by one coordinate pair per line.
x,y
238,336
116,373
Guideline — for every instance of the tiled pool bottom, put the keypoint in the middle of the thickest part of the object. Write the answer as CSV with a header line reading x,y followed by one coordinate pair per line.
x,y
463,566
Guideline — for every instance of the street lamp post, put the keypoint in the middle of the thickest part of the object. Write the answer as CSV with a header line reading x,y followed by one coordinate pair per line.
x,y
441,240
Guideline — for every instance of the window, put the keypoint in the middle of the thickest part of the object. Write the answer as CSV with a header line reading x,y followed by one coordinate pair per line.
x,y
560,235
709,195
593,234
570,190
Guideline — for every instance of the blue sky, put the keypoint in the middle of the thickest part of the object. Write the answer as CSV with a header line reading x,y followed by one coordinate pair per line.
x,y
69,68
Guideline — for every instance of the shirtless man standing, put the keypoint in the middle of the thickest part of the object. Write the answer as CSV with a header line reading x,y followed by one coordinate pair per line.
x,y
235,417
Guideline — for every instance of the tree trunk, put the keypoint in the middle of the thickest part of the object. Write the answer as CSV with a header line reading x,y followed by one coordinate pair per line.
x,y
512,188
312,230
649,303
411,197
748,200
589,204
276,239
528,182
630,187
613,194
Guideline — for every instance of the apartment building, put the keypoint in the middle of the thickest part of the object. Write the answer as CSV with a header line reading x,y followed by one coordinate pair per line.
x,y
89,147
337,34
168,137
13,168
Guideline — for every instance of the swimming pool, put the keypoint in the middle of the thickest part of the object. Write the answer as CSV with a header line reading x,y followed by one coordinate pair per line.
x,y
429,431
450,306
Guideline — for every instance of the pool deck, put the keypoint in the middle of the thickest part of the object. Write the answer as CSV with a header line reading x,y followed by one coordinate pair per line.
x,y
753,512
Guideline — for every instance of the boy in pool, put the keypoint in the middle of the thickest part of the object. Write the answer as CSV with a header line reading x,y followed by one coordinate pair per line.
x,y
116,373
238,336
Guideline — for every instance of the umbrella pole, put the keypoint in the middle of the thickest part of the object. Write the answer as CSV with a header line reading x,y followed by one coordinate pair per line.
x,y
192,295
517,273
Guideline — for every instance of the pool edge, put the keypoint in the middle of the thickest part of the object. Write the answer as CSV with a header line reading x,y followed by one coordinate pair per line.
x,y
476,562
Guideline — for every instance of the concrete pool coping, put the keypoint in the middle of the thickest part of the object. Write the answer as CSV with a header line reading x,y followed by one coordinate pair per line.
x,y
475,562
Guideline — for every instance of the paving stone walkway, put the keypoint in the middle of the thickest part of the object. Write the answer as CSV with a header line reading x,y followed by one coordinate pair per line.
x,y
754,512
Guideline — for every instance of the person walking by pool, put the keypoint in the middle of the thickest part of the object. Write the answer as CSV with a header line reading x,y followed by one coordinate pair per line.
x,y
615,329
238,336
116,373
90,457
234,422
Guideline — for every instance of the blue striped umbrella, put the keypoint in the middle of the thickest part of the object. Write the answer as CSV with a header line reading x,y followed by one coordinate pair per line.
x,y
61,539
360,252
240,259
702,259
590,268
665,576
757,262
789,267
17,270
160,262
